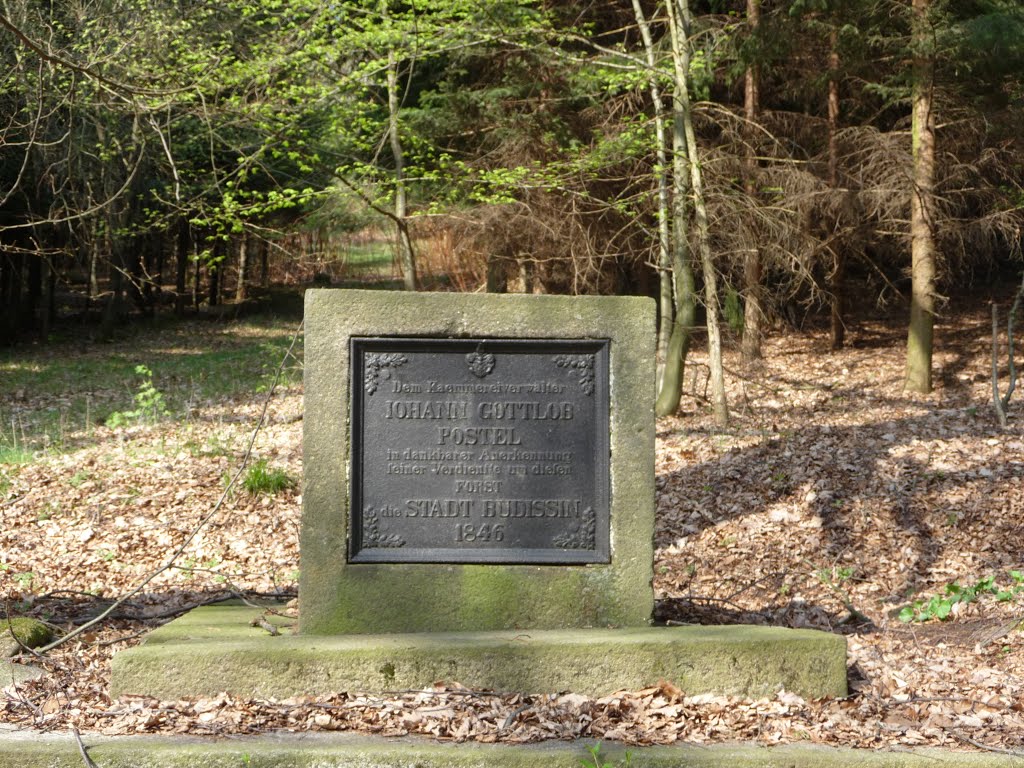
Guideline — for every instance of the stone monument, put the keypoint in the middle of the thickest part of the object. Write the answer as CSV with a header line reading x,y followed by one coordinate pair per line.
x,y
477,462
478,507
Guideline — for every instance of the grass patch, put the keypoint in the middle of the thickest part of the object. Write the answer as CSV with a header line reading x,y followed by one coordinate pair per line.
x,y
14,454
263,479
70,389
367,258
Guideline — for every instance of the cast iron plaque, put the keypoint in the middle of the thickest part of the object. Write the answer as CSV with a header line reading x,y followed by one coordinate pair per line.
x,y
479,451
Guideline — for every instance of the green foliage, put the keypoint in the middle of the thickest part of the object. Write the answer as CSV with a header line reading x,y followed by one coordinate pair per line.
x,y
597,760
149,403
834,577
77,479
733,310
24,580
263,479
940,606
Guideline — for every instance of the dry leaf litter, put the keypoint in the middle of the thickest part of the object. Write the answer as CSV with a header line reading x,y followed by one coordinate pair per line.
x,y
832,502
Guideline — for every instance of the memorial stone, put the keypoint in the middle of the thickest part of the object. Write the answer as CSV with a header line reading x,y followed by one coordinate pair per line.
x,y
478,507
476,462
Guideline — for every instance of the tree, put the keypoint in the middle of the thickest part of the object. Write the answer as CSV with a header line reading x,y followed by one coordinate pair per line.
x,y
922,205
753,313
679,24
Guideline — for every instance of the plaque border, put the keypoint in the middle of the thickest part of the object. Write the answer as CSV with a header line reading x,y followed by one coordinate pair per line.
x,y
358,554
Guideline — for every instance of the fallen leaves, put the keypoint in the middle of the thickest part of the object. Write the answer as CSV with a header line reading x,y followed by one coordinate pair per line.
x,y
832,491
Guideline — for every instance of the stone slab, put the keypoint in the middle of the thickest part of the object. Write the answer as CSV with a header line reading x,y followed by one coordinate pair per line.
x,y
337,750
10,672
339,597
214,649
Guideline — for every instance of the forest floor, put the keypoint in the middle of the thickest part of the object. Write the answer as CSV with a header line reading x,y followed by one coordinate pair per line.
x,y
835,501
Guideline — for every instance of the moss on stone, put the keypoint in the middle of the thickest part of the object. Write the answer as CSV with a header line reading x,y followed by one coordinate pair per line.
x,y
21,631
214,649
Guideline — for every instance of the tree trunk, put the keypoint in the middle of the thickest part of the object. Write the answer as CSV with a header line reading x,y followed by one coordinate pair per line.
x,y
264,247
160,255
184,243
113,312
197,285
13,296
753,311
243,266
666,308
213,270
49,304
671,389
30,310
405,254
837,336
528,273
684,286
922,211
679,21
94,283
497,275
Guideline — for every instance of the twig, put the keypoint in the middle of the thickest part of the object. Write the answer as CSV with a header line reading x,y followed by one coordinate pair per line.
x,y
81,748
174,611
721,600
202,523
512,717
261,621
986,747
123,638
471,694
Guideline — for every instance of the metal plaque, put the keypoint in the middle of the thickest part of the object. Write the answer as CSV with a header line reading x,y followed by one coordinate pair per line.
x,y
479,451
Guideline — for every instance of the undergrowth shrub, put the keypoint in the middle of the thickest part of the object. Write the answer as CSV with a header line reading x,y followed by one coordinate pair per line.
x,y
149,403
261,478
941,606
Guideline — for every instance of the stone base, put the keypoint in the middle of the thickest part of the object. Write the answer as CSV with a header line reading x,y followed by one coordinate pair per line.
x,y
214,649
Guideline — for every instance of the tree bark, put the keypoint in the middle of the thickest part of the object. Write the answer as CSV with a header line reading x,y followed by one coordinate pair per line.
x,y
753,311
405,254
114,312
922,211
30,311
838,297
837,335
13,297
243,266
497,275
683,282
197,284
94,283
213,271
264,263
679,21
666,308
183,248
49,304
